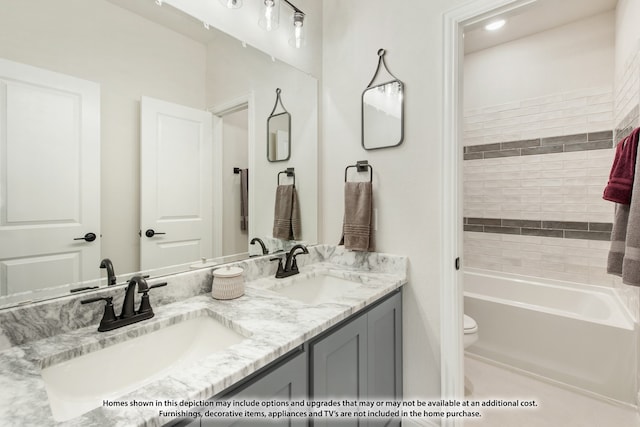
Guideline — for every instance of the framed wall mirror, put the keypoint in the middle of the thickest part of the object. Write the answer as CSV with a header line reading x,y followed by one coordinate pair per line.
x,y
129,50
279,133
383,111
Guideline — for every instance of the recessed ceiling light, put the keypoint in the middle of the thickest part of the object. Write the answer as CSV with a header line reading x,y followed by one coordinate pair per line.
x,y
495,25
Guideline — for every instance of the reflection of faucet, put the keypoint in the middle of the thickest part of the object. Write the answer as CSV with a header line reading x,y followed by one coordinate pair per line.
x,y
111,274
290,265
128,315
259,240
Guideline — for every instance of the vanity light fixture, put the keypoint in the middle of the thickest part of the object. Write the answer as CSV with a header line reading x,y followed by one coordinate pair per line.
x,y
270,18
232,4
270,15
495,25
297,36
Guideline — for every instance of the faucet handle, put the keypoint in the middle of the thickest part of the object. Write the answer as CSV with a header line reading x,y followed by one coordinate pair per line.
x,y
109,314
157,285
280,268
145,304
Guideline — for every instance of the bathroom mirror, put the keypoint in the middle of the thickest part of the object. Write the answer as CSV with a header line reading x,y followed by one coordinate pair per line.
x,y
383,111
278,133
134,49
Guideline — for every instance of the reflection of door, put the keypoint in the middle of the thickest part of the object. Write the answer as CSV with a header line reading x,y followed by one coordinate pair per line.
x,y
176,184
49,178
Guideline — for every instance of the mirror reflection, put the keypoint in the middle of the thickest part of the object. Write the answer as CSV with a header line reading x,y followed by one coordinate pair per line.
x,y
100,59
382,120
278,132
278,142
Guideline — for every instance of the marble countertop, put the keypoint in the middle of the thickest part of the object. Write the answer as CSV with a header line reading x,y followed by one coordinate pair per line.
x,y
273,325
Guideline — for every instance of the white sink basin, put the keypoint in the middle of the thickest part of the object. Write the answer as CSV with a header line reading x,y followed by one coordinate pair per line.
x,y
317,289
80,384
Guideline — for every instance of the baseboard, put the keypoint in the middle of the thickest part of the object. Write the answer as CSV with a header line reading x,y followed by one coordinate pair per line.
x,y
418,422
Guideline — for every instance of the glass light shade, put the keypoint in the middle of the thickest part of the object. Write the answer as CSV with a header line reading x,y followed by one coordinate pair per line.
x,y
297,38
231,4
270,16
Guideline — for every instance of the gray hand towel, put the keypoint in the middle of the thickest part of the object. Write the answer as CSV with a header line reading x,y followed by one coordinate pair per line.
x,y
286,219
357,232
624,255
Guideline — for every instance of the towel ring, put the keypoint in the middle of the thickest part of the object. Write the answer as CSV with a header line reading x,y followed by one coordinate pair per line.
x,y
361,166
289,172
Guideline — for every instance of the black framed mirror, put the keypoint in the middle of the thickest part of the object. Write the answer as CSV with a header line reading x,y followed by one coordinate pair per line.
x,y
278,133
383,111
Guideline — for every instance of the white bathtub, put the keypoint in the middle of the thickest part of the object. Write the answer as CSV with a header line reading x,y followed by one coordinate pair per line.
x,y
580,335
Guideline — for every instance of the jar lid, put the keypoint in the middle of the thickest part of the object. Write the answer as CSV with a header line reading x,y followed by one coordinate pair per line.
x,y
227,272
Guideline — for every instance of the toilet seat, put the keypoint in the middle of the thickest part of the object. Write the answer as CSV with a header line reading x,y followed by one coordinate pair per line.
x,y
470,325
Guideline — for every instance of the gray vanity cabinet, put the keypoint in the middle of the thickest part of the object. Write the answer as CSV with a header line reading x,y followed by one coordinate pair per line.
x,y
361,360
286,381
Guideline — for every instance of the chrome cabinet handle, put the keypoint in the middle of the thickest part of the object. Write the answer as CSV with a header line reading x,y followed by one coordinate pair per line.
x,y
89,237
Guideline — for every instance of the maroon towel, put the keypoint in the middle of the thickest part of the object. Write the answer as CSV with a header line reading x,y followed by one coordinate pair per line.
x,y
624,164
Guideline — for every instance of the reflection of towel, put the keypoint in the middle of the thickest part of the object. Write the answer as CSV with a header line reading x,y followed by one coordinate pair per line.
x,y
244,199
286,218
624,255
620,183
357,233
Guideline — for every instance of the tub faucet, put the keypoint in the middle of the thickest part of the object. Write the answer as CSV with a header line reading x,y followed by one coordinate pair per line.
x,y
259,240
111,274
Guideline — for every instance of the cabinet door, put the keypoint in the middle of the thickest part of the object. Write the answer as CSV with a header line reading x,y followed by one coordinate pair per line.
x,y
285,382
339,368
384,364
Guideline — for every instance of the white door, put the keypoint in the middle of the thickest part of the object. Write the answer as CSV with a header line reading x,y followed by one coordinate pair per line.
x,y
176,190
49,178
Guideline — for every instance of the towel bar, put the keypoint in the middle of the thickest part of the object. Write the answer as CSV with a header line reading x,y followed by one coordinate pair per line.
x,y
288,172
361,166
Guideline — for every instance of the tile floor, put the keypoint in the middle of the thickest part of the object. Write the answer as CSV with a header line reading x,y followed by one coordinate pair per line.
x,y
558,407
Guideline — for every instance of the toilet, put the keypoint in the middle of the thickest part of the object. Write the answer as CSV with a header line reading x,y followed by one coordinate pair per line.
x,y
470,331
470,336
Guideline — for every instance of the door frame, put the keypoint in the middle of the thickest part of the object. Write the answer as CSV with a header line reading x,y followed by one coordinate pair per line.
x,y
452,292
219,111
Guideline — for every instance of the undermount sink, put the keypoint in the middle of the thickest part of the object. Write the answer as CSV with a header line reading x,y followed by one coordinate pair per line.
x,y
317,289
80,384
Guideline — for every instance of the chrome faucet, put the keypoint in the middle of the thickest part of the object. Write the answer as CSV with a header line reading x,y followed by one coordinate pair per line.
x,y
290,266
128,315
111,274
259,240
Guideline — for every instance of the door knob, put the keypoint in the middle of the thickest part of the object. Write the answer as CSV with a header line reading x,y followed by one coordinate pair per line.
x,y
151,232
89,237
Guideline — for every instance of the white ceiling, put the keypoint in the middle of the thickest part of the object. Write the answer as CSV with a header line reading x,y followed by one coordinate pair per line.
x,y
539,16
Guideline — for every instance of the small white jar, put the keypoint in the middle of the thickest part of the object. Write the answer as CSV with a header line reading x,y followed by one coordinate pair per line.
x,y
228,283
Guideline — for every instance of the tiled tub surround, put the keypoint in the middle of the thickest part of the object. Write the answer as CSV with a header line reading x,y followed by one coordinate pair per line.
x,y
627,95
534,173
275,324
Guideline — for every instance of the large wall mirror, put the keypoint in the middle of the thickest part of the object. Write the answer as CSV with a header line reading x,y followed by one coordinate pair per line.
x,y
141,61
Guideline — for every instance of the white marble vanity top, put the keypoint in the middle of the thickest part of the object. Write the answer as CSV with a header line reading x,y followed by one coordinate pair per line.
x,y
273,323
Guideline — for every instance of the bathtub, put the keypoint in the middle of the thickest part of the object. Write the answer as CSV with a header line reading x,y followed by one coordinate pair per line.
x,y
579,335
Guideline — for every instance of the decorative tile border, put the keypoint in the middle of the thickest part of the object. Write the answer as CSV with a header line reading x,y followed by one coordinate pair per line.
x,y
559,229
557,144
